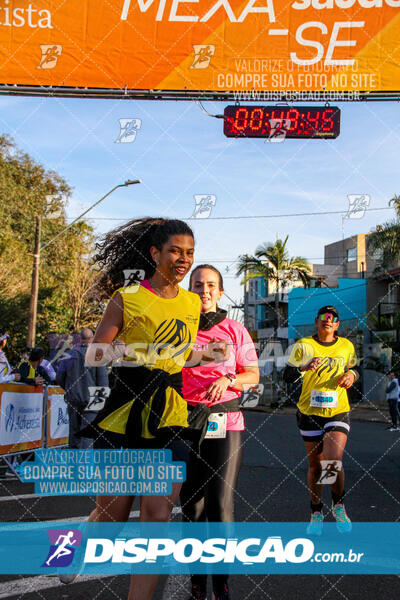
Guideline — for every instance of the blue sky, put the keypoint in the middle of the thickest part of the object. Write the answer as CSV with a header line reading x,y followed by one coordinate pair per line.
x,y
179,152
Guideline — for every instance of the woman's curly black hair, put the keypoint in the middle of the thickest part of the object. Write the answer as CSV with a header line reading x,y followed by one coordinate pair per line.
x,y
128,248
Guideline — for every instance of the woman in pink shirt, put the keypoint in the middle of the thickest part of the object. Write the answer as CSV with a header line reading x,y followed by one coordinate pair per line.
x,y
213,469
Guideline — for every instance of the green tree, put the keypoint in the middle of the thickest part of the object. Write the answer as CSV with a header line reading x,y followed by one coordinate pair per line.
x,y
272,261
27,189
386,239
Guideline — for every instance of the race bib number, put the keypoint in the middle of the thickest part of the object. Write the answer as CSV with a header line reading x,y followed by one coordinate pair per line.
x,y
324,399
216,426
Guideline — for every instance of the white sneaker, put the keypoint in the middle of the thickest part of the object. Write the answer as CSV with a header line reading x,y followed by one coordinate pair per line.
x,y
393,429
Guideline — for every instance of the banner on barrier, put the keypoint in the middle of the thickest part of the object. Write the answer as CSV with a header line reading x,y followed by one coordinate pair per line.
x,y
57,421
219,45
21,418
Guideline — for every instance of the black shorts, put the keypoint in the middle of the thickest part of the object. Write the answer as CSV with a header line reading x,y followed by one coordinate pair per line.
x,y
109,440
313,427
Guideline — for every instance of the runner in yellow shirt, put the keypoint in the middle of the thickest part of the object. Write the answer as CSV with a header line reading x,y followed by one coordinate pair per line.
x,y
325,362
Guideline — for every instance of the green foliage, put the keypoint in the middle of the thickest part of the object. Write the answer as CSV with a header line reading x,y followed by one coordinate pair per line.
x,y
28,190
272,261
386,239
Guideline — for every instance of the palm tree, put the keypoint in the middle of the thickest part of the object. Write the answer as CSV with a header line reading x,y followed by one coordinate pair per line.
x,y
272,261
386,238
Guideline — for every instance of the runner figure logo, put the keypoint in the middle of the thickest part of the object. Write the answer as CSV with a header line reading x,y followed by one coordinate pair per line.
x,y
252,396
203,205
278,129
330,471
132,278
358,204
50,56
202,56
98,396
128,130
61,553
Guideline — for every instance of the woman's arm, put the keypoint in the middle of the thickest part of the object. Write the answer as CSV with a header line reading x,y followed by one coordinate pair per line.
x,y
103,349
248,378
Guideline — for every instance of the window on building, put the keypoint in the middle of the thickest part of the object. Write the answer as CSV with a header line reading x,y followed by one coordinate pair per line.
x,y
351,254
392,293
260,316
262,288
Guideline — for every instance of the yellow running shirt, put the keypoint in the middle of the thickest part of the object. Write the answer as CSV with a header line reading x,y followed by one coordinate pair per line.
x,y
320,394
159,334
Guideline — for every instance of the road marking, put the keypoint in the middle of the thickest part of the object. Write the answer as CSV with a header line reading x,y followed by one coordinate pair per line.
x,y
177,587
134,514
17,587
20,497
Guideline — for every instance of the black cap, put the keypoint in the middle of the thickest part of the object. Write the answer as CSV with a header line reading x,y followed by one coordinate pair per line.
x,y
328,309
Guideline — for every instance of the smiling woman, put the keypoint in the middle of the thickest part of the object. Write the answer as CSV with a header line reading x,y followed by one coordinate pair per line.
x,y
153,323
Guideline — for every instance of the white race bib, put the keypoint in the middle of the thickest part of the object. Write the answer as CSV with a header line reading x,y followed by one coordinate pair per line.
x,y
324,399
216,426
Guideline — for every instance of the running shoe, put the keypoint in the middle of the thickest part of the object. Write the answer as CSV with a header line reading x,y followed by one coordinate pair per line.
x,y
343,523
223,595
393,428
198,593
316,523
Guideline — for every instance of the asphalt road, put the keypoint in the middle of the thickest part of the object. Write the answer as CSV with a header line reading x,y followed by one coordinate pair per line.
x,y
271,488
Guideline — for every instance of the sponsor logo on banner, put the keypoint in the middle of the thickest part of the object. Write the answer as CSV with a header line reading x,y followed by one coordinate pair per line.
x,y
21,418
59,420
202,56
62,547
50,55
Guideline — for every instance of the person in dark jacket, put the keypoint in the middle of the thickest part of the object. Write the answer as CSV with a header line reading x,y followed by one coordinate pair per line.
x,y
76,379
36,370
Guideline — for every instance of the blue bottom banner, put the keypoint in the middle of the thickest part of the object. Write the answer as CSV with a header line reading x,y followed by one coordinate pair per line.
x,y
176,548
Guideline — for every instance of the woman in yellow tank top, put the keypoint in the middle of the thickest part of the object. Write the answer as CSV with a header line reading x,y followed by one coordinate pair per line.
x,y
325,362
147,330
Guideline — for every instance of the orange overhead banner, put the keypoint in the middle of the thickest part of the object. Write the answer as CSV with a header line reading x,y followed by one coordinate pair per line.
x,y
209,45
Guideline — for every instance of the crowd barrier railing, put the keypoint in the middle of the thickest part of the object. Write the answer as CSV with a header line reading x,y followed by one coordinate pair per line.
x,y
31,417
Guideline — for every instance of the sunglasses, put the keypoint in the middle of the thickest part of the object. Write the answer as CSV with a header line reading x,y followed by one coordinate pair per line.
x,y
326,316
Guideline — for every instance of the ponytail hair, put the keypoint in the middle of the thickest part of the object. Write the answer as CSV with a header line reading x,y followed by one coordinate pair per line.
x,y
128,248
220,280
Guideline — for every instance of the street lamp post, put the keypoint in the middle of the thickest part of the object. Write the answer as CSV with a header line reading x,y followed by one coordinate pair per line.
x,y
30,341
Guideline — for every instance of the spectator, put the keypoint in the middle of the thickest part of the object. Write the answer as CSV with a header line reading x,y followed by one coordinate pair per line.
x,y
24,356
392,396
6,374
76,379
37,370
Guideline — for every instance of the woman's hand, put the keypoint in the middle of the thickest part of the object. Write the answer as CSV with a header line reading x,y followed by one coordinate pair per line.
x,y
347,380
217,389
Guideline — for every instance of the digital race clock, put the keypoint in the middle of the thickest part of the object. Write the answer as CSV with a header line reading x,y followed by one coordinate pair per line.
x,y
282,121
